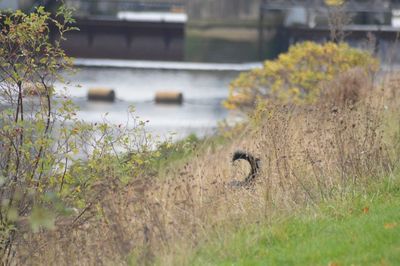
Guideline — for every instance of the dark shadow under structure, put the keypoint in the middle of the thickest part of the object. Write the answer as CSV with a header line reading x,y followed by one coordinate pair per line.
x,y
122,39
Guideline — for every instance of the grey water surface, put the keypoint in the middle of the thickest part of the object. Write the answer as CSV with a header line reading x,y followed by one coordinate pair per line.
x,y
204,87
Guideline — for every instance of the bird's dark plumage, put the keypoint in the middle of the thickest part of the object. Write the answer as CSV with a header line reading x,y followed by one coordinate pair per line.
x,y
255,168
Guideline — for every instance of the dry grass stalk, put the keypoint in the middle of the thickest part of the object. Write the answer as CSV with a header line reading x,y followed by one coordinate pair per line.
x,y
338,19
308,154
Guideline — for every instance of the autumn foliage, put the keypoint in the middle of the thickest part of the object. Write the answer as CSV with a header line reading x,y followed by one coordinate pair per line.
x,y
298,75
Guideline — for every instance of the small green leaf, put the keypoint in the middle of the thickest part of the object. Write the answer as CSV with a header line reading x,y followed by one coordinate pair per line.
x,y
41,217
12,215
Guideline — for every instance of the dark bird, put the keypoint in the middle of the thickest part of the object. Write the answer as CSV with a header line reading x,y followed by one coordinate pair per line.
x,y
255,168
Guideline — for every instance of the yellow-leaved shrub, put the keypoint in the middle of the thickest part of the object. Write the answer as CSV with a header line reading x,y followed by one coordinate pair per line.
x,y
334,2
297,76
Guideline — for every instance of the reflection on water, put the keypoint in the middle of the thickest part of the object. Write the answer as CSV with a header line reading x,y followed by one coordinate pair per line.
x,y
203,92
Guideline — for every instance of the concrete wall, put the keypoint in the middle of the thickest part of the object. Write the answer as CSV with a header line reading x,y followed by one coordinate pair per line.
x,y
223,9
126,40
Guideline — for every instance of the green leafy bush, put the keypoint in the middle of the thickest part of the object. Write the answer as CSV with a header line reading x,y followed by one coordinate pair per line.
x,y
53,167
29,158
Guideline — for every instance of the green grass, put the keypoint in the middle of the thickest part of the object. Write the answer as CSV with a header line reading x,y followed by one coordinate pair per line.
x,y
338,233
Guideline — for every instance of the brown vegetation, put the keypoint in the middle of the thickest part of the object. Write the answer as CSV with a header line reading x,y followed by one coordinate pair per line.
x,y
340,144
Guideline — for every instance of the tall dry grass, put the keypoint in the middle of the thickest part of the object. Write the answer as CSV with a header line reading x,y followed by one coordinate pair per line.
x,y
309,154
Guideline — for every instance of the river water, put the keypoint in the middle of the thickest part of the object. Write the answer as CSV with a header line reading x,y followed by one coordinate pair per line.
x,y
204,87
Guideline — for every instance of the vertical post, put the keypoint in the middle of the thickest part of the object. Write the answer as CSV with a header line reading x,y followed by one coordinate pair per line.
x,y
261,31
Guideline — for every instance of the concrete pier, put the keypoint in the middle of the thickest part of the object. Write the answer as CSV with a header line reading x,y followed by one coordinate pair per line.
x,y
159,38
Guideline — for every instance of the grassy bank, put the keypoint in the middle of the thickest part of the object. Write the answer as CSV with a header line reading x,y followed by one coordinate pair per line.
x,y
361,230
326,192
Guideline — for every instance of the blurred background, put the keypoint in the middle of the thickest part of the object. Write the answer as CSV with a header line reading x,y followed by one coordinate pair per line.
x,y
213,30
196,47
